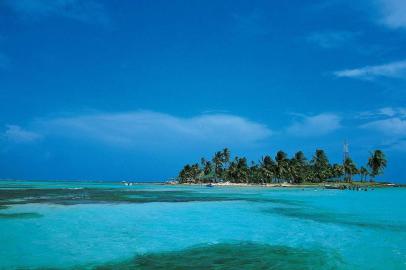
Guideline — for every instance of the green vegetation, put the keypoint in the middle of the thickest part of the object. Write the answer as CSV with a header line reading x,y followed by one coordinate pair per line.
x,y
377,163
226,256
295,170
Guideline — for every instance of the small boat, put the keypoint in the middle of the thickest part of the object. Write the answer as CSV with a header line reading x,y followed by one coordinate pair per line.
x,y
209,185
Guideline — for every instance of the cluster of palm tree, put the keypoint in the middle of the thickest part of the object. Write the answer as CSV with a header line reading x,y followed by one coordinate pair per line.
x,y
297,169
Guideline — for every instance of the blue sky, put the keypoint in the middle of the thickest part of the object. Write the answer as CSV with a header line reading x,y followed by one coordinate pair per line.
x,y
117,90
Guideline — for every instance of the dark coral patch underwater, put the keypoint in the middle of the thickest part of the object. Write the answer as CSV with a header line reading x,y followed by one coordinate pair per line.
x,y
230,256
306,213
63,196
19,215
96,195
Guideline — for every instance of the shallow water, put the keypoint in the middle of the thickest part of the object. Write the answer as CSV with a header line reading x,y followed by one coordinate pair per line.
x,y
110,226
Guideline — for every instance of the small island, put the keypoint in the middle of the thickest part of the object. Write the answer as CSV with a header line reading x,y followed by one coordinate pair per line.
x,y
284,171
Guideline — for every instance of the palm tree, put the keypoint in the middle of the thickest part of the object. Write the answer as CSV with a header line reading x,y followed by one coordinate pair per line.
x,y
321,165
349,169
232,171
377,162
267,169
255,175
218,164
184,174
281,165
238,171
337,171
298,167
363,173
207,168
190,173
226,155
242,169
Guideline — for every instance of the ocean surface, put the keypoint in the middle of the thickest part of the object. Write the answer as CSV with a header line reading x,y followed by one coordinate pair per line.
x,y
73,225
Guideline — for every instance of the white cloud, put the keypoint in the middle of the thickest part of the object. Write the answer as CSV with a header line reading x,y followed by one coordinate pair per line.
x,y
392,13
387,111
389,13
17,134
153,129
331,39
390,70
90,11
318,125
383,112
393,127
389,124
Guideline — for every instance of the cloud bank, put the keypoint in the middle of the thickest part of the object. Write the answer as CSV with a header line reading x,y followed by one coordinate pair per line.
x,y
383,112
390,124
392,13
17,134
390,70
393,127
314,126
154,129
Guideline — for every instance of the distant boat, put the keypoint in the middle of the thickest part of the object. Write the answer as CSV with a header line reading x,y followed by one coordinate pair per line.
x,y
209,185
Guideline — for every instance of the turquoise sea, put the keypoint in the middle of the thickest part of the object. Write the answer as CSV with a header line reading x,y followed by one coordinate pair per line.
x,y
60,225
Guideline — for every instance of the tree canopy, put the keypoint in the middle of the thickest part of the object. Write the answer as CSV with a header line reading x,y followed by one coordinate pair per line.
x,y
377,163
296,170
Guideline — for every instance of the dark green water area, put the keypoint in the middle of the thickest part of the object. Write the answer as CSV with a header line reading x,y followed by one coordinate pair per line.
x,y
64,196
97,195
311,214
229,256
19,215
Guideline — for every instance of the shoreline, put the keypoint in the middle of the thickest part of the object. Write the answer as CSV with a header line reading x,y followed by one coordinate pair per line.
x,y
288,185
221,184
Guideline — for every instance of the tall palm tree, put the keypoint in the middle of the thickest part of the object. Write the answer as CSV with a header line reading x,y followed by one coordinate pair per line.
x,y
243,169
184,174
255,175
238,171
349,169
190,173
377,162
363,173
226,155
267,169
218,164
321,165
298,167
337,171
232,171
282,165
